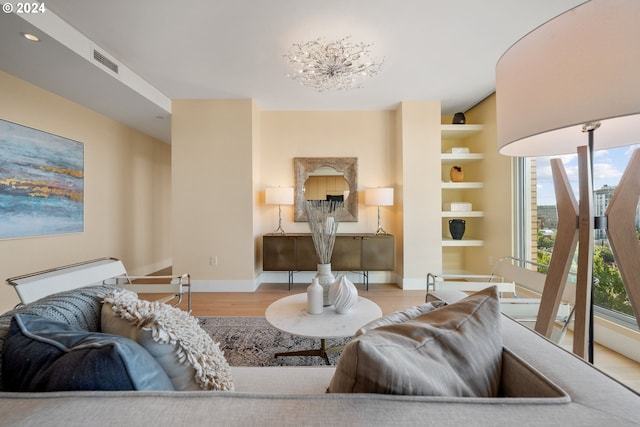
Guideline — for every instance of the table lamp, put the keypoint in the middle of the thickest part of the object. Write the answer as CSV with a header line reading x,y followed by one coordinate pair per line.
x,y
279,196
379,197
572,85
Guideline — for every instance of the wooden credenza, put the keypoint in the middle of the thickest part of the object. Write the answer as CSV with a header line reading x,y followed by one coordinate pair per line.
x,y
351,252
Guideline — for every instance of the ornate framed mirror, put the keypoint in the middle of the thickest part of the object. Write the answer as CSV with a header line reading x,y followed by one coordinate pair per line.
x,y
326,178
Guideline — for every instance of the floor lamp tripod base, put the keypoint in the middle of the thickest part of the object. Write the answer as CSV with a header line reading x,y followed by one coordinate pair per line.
x,y
568,237
621,215
564,248
619,222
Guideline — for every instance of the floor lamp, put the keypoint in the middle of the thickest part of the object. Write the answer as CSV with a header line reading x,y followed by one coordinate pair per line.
x,y
571,85
279,196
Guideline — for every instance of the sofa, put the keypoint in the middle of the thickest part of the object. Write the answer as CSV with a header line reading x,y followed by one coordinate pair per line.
x,y
540,384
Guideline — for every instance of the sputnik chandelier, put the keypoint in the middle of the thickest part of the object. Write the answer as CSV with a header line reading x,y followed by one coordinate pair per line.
x,y
336,65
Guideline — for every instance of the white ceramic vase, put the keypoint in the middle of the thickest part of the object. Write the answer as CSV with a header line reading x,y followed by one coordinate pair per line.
x,y
314,297
326,279
343,294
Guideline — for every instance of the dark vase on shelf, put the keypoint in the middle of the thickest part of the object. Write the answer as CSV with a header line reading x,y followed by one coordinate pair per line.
x,y
456,228
459,119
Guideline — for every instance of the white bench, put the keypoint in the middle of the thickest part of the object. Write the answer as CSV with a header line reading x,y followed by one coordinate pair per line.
x,y
110,271
513,276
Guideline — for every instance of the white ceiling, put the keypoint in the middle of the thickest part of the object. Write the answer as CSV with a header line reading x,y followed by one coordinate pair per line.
x,y
433,50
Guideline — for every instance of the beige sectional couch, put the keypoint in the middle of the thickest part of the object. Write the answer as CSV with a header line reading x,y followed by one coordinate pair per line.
x,y
541,384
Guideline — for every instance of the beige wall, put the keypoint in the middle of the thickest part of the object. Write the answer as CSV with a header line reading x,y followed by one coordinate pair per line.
x,y
226,152
367,135
497,195
394,148
257,189
213,144
420,195
127,190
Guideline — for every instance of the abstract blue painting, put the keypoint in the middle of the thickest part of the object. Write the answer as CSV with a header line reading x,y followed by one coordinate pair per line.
x,y
41,183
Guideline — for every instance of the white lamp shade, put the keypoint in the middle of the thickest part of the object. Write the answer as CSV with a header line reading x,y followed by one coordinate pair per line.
x,y
278,195
580,67
378,196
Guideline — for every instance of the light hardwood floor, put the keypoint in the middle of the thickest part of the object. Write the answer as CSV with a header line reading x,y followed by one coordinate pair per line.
x,y
390,298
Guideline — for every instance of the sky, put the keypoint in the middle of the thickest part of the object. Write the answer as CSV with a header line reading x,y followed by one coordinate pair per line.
x,y
608,167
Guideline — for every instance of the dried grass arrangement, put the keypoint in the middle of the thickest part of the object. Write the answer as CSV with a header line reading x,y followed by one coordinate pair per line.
x,y
323,222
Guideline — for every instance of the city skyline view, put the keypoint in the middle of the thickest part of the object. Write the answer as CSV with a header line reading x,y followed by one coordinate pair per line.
x,y
608,167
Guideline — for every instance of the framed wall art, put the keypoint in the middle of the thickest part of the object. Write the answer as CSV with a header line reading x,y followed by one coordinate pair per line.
x,y
41,183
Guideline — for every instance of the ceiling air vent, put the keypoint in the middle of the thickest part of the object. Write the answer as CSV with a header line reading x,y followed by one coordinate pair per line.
x,y
101,58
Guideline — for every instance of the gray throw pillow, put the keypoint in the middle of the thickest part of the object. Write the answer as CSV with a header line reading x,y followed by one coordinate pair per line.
x,y
455,350
401,316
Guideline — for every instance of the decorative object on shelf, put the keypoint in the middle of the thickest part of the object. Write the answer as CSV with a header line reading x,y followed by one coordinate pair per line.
x,y
279,196
314,297
379,197
343,294
456,228
323,222
582,106
459,119
460,150
456,174
460,207
328,65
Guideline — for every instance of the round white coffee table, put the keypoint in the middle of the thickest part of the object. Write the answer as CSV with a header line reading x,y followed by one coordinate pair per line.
x,y
289,314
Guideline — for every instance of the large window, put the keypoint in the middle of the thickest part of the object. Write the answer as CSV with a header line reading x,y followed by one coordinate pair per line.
x,y
539,221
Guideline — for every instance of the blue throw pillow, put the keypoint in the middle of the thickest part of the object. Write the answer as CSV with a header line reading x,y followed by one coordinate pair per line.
x,y
45,355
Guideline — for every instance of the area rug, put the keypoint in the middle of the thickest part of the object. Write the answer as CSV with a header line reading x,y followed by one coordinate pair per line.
x,y
251,341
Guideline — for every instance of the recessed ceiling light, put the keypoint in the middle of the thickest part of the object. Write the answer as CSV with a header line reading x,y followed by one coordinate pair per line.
x,y
31,37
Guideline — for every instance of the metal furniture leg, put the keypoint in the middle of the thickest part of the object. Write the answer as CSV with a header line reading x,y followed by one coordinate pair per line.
x,y
323,351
